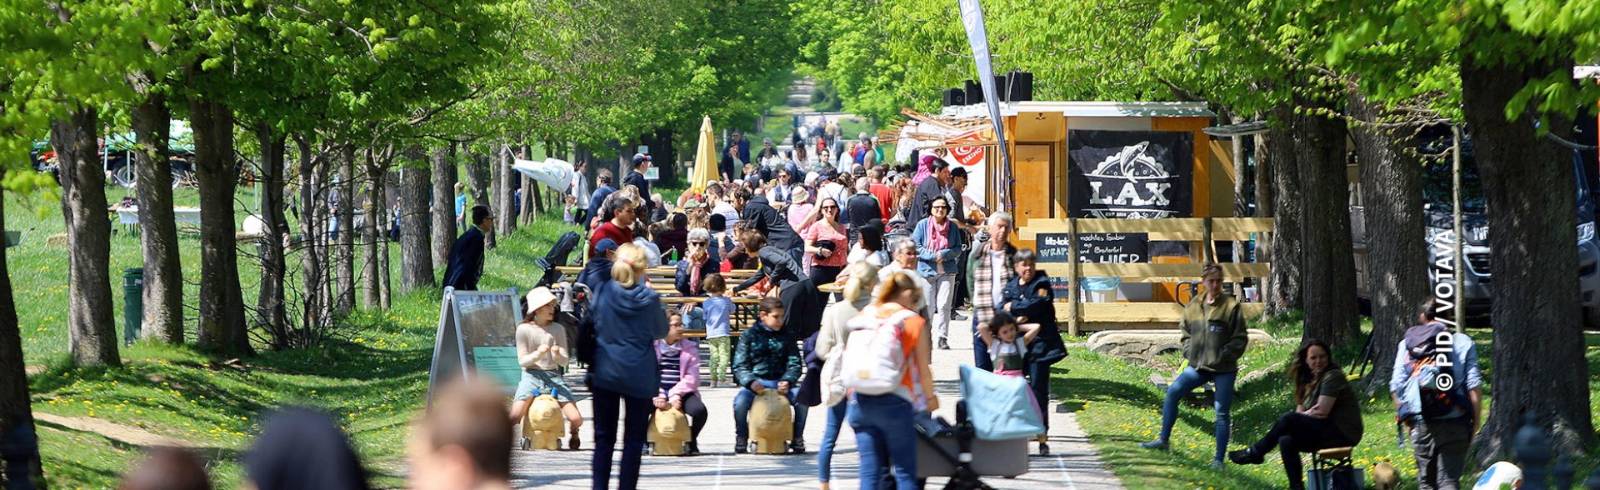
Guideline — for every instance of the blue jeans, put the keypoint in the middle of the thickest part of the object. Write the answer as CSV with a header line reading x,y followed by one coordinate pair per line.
x,y
830,437
1187,382
607,405
884,431
741,410
1038,375
980,352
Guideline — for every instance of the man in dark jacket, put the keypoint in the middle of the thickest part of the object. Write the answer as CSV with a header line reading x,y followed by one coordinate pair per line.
x,y
767,358
466,255
1214,337
598,270
641,164
863,208
759,215
929,188
742,145
599,196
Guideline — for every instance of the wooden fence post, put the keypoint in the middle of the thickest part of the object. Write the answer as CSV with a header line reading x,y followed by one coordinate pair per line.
x,y
1074,293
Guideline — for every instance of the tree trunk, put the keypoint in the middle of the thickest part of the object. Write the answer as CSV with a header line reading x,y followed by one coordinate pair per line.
x,y
481,179
16,411
222,324
272,315
1328,271
313,250
444,205
505,214
1538,339
1286,207
90,325
531,207
383,237
158,232
665,156
345,253
416,255
374,217
1397,250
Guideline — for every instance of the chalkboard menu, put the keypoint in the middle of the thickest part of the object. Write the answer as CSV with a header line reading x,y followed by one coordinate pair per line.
x,y
477,335
1095,248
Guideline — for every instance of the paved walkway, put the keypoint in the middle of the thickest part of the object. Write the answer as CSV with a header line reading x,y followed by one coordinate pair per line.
x,y
1072,463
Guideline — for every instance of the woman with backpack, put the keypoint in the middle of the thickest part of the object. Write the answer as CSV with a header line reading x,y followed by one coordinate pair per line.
x,y
628,318
1327,414
1440,419
835,327
882,401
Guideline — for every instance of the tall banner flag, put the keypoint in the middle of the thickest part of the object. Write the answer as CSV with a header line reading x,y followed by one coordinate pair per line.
x,y
978,37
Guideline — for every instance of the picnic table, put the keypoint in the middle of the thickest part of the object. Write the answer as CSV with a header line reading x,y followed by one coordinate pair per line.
x,y
128,216
664,281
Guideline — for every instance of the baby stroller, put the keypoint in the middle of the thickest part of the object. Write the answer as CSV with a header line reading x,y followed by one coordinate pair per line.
x,y
995,420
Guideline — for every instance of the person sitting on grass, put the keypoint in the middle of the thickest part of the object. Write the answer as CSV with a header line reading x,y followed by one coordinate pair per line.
x,y
1009,347
1214,338
678,360
767,358
542,352
1327,414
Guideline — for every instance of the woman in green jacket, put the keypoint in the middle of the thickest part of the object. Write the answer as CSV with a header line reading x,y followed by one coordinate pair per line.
x,y
1214,337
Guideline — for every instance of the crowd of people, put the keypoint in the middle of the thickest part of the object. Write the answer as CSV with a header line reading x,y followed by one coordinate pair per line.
x,y
903,247
896,242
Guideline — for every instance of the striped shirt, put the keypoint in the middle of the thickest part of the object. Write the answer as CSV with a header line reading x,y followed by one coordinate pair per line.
x,y
671,370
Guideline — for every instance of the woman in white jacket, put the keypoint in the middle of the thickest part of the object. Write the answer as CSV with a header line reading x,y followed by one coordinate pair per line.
x,y
857,295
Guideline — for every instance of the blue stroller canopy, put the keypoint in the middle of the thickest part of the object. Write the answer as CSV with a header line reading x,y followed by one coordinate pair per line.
x,y
1000,407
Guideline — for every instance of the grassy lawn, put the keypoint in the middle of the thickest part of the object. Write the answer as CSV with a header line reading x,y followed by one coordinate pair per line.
x,y
373,380
1119,408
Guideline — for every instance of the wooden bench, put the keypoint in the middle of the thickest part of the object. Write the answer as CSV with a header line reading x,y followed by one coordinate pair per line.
x,y
666,277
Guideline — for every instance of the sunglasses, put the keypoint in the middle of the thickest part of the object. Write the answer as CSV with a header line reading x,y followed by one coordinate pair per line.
x,y
830,207
941,207
701,244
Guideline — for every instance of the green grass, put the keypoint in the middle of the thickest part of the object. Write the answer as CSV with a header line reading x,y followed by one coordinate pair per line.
x,y
373,381
1119,408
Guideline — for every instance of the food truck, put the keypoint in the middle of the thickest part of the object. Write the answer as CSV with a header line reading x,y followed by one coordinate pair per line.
x,y
1126,200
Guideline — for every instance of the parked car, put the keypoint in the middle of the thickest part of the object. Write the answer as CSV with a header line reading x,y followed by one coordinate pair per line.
x,y
1476,280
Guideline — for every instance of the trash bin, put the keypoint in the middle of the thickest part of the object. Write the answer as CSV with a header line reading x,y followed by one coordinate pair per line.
x,y
132,304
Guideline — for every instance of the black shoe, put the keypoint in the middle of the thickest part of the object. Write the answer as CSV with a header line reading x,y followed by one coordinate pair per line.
x,y
797,446
741,446
1245,456
1044,449
692,449
944,344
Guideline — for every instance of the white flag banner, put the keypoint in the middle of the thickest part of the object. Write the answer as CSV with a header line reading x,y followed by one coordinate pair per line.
x,y
551,172
978,37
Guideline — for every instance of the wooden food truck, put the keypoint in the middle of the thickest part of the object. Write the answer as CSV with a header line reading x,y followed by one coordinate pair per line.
x,y
1125,201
